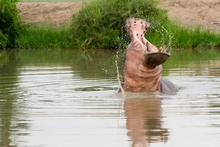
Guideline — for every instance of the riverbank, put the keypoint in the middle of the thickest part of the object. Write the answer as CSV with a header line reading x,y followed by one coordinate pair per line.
x,y
58,13
52,25
189,13
194,13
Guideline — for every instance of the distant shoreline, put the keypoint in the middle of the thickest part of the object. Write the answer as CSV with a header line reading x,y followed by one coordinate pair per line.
x,y
191,13
194,13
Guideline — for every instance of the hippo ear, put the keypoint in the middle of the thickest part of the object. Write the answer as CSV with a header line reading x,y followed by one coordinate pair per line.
x,y
147,25
128,21
127,27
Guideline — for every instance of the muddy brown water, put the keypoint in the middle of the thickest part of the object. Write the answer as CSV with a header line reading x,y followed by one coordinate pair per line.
x,y
56,98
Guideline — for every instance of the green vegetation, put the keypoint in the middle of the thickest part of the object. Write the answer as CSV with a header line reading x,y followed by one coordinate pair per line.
x,y
51,0
101,24
40,36
10,26
194,38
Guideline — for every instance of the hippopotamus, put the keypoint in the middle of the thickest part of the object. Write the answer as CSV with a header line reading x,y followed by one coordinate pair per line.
x,y
140,76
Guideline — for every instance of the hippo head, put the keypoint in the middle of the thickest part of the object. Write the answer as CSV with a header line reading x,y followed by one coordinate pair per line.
x,y
136,27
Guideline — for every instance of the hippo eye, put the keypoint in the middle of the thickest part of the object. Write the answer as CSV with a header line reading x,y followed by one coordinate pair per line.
x,y
135,21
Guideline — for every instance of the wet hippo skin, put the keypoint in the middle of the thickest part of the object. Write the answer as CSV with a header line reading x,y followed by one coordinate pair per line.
x,y
138,76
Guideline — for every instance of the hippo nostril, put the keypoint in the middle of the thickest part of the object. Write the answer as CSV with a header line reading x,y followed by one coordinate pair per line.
x,y
137,34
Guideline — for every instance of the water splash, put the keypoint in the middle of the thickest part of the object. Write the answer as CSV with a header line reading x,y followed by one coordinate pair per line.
x,y
164,35
118,73
170,37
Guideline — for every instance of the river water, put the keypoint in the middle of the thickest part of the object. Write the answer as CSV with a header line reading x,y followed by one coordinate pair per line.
x,y
68,98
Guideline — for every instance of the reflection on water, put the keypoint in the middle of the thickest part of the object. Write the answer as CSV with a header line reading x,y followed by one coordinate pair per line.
x,y
69,98
144,122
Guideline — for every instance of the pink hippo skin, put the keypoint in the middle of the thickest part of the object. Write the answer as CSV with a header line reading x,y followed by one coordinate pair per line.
x,y
138,77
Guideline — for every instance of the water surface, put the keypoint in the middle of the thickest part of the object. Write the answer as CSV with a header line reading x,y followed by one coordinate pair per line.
x,y
56,98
